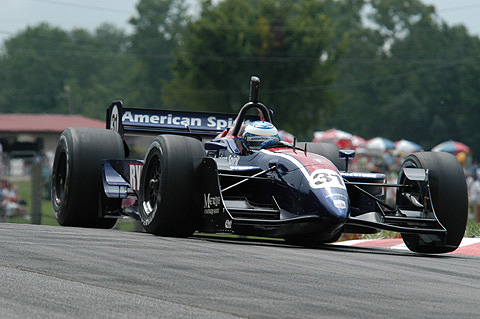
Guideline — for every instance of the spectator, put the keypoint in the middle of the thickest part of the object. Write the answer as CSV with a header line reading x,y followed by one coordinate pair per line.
x,y
473,184
11,205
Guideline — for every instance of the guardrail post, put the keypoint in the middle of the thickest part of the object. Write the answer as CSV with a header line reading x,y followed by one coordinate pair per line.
x,y
37,189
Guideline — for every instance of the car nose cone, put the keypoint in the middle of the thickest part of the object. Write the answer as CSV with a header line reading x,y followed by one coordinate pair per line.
x,y
333,204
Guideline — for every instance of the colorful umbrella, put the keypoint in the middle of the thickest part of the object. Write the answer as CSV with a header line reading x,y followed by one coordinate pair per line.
x,y
285,136
453,147
407,147
379,144
331,135
358,141
341,138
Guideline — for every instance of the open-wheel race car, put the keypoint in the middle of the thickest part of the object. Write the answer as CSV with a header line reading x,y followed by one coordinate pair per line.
x,y
214,173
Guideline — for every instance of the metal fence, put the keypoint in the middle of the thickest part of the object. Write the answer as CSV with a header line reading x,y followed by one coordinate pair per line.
x,y
24,187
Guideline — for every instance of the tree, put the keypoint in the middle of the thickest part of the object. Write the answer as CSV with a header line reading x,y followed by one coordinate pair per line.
x,y
33,72
285,43
157,25
110,78
48,70
430,61
407,74
360,70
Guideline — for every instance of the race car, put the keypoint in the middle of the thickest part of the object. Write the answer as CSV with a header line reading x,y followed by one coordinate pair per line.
x,y
223,173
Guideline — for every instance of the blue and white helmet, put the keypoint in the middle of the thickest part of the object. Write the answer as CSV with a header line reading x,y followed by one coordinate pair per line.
x,y
260,132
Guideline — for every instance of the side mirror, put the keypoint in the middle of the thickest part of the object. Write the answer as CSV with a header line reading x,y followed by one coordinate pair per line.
x,y
346,154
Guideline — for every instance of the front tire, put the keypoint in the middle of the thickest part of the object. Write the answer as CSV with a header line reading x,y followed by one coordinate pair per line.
x,y
170,198
77,186
449,197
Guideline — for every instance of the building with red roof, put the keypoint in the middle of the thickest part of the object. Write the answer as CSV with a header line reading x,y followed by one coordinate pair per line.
x,y
38,132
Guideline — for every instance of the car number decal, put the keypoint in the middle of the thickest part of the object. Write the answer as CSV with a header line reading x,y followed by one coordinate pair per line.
x,y
114,119
325,178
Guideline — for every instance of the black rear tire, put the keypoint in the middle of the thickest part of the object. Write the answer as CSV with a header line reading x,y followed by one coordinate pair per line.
x,y
449,196
330,151
170,198
77,186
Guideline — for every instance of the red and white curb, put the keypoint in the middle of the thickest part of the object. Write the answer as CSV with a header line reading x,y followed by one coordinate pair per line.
x,y
468,246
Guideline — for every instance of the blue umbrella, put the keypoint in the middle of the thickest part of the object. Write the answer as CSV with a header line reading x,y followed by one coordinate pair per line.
x,y
450,146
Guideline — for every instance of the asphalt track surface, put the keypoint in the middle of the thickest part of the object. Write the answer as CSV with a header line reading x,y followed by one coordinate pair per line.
x,y
61,272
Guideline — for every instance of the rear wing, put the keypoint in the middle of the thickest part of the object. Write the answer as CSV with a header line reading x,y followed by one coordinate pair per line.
x,y
133,121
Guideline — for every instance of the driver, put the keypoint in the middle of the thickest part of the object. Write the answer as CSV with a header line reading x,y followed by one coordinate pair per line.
x,y
260,134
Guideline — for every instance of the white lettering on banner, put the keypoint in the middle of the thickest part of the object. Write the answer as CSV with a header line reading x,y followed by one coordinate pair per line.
x,y
154,119
168,119
140,118
135,173
323,178
219,124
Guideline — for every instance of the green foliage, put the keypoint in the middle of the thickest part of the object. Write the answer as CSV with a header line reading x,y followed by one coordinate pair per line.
x,y
157,25
409,75
33,69
473,229
47,70
281,42
24,189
